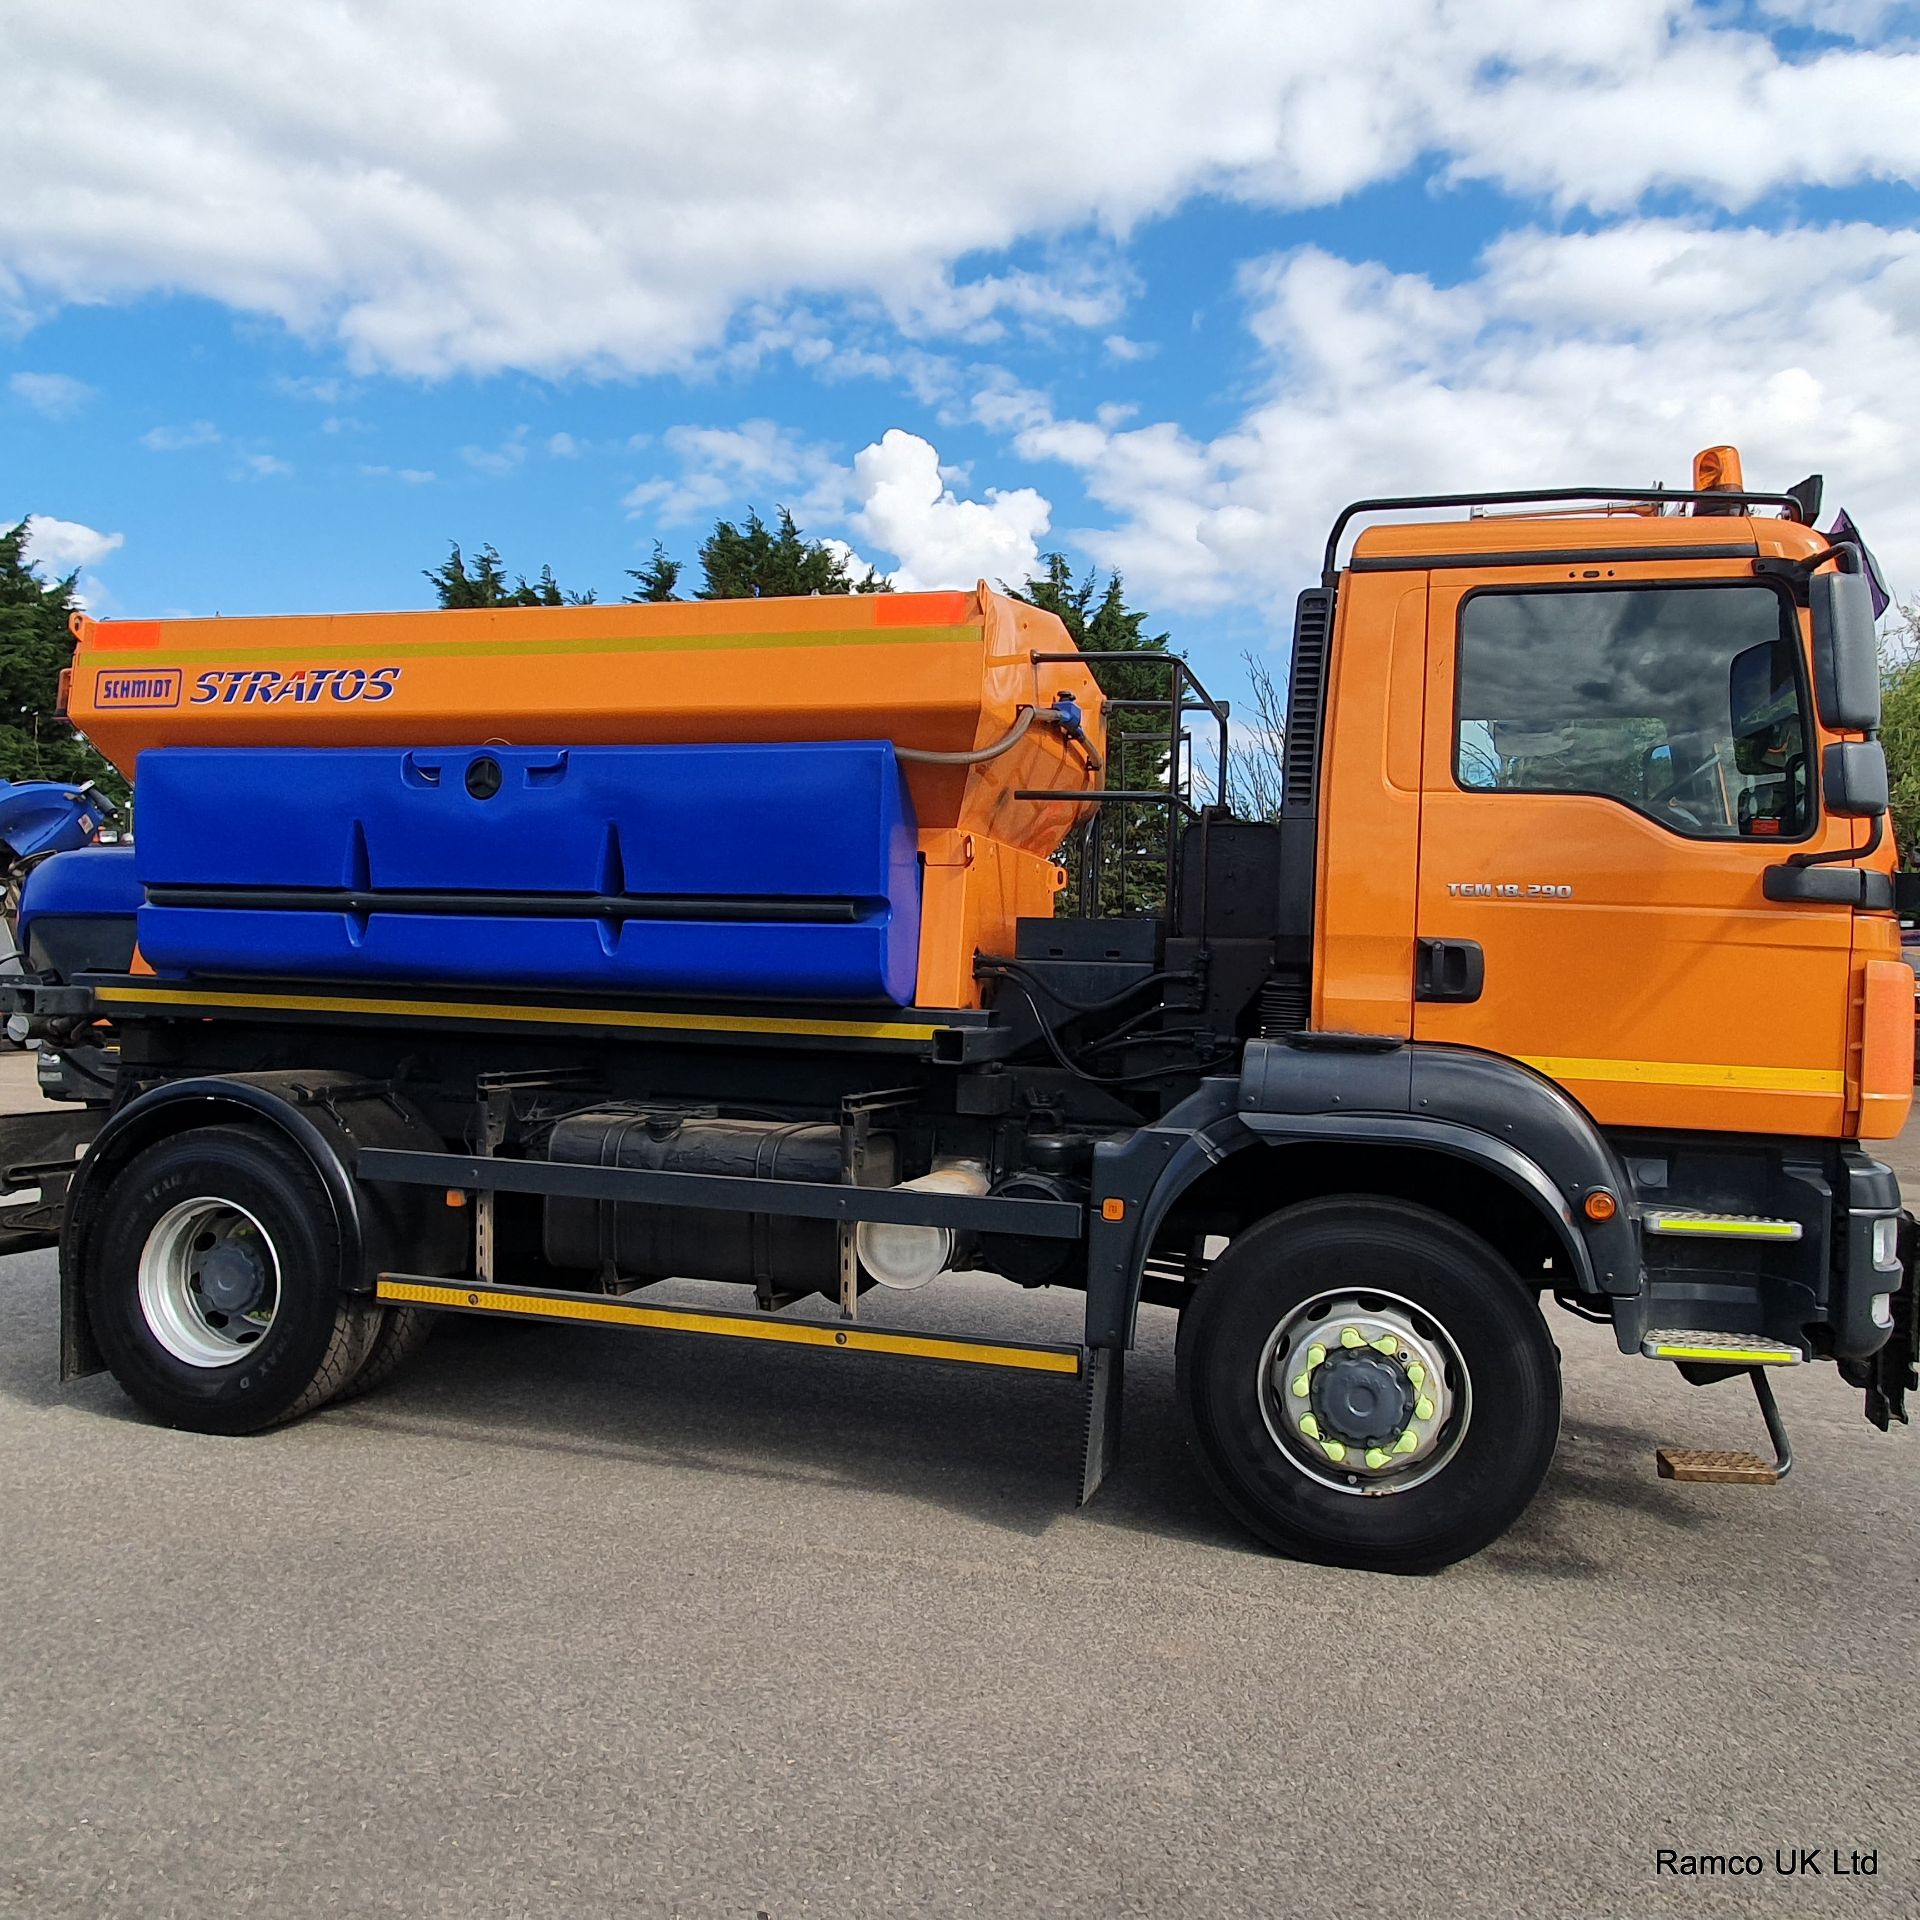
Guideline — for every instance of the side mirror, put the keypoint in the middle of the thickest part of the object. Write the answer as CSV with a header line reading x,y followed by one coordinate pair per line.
x,y
1846,652
1853,778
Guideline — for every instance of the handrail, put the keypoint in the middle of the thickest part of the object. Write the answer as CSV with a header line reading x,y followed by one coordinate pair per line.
x,y
1545,496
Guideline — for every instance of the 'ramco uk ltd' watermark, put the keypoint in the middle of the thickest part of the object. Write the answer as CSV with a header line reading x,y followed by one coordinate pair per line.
x,y
1785,1863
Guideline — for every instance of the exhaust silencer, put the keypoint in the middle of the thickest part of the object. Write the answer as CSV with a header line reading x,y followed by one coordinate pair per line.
x,y
908,1257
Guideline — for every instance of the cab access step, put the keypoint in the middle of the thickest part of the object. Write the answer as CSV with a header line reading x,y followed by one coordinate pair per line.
x,y
1701,1356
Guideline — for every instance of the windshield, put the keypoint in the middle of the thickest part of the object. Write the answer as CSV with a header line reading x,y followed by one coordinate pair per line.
x,y
1684,703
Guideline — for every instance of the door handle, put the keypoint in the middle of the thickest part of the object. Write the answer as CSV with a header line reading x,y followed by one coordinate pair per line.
x,y
1864,887
1449,970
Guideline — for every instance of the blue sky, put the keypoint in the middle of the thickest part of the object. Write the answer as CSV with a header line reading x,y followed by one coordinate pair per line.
x,y
288,304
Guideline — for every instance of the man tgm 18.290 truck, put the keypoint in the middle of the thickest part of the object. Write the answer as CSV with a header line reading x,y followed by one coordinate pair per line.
x,y
510,963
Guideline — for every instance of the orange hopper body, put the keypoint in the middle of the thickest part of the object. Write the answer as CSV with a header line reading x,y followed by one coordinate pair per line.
x,y
932,672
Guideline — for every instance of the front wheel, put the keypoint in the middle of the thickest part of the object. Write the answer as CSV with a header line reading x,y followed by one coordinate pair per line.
x,y
212,1282
1366,1384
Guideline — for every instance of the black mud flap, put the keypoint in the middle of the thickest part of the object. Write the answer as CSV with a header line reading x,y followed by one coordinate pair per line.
x,y
1891,1373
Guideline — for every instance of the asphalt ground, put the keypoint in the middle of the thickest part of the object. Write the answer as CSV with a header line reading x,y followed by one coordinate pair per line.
x,y
572,1622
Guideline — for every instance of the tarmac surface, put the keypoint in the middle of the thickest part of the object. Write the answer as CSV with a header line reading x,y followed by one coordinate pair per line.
x,y
572,1622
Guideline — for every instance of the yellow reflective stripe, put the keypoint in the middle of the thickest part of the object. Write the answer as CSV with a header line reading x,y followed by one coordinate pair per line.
x,y
850,1338
491,1010
1690,1073
1668,1224
1728,1356
349,649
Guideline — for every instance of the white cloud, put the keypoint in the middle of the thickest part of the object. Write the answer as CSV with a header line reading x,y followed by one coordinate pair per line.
x,y
758,461
59,546
563,446
1848,19
202,433
324,392
263,466
1603,358
896,496
498,461
1119,347
57,395
470,184
857,567
942,541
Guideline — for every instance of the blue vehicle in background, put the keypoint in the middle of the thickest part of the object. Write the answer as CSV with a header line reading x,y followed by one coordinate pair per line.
x,y
39,818
86,897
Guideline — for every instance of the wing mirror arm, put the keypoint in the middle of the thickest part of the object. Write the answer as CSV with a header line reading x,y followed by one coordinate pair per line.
x,y
1840,854
1822,876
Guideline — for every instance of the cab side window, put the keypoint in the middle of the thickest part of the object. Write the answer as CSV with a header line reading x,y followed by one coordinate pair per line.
x,y
1685,703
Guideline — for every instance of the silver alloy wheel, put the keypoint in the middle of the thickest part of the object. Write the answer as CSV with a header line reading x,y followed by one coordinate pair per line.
x,y
209,1282
1364,1392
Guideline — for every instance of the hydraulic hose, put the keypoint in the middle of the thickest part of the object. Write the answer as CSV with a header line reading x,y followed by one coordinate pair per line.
x,y
1005,744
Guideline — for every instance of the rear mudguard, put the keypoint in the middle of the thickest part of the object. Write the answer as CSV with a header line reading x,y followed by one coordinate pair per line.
x,y
328,1118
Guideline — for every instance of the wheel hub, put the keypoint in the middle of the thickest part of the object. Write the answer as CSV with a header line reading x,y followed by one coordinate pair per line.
x,y
232,1278
1364,1393
1362,1398
209,1282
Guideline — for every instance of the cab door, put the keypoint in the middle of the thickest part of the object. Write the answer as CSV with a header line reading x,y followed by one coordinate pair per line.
x,y
1609,766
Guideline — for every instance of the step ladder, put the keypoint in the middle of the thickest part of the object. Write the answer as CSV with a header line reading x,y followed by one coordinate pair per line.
x,y
1729,1467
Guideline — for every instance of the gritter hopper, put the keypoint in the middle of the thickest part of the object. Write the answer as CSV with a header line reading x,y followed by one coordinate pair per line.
x,y
807,798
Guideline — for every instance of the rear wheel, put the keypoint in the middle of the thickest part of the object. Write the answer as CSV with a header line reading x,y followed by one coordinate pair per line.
x,y
400,1334
1366,1384
212,1281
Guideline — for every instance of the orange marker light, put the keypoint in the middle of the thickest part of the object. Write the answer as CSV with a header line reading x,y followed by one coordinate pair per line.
x,y
1600,1205
1113,1209
1717,470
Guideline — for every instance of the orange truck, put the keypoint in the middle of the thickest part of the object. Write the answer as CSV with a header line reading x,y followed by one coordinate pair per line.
x,y
516,963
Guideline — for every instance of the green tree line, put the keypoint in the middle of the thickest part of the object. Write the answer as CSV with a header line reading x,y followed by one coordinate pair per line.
x,y
36,646
1900,727
744,560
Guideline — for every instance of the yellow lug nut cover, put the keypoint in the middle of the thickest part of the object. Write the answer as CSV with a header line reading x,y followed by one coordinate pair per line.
x,y
1386,1344
1423,1410
1352,1337
1407,1442
1377,1457
1310,1426
1316,1354
1417,1374
1333,1450
1300,1387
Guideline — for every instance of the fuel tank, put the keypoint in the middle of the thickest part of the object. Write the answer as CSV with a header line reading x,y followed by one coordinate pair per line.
x,y
649,1243
932,673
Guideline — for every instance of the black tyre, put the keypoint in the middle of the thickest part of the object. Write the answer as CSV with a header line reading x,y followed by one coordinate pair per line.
x,y
1366,1384
400,1333
212,1279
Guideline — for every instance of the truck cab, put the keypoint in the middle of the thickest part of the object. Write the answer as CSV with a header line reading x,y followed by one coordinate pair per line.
x,y
1599,796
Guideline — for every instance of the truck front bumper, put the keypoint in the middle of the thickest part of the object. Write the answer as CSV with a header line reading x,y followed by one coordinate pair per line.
x,y
1889,1374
